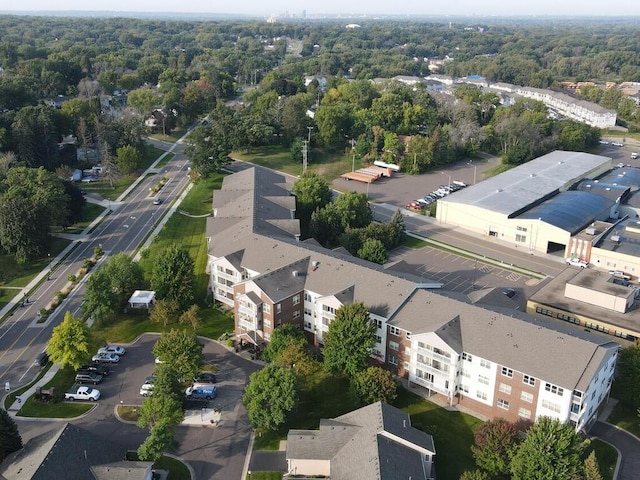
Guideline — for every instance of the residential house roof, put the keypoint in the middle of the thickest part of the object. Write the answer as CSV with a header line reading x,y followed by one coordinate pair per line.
x,y
374,442
67,453
125,470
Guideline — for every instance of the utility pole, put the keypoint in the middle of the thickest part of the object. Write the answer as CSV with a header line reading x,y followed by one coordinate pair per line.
x,y
305,161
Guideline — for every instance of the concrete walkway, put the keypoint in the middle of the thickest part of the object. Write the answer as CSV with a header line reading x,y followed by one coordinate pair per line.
x,y
46,378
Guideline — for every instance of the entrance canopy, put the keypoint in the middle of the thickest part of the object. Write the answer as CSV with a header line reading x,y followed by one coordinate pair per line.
x,y
251,337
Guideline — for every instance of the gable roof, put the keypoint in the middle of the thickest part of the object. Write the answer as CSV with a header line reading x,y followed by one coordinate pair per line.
x,y
125,470
67,453
514,340
374,442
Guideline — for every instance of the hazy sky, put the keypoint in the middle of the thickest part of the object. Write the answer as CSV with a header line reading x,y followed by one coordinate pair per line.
x,y
409,7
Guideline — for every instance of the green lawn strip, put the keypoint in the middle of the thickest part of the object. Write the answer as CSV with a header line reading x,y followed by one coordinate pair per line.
x,y
625,417
412,242
14,275
168,157
175,135
151,154
177,469
326,164
607,457
452,433
9,399
61,381
264,476
128,413
90,212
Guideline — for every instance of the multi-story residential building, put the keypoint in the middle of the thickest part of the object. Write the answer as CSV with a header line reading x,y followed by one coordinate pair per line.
x,y
495,365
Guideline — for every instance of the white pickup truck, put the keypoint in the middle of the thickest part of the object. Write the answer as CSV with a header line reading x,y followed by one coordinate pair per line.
x,y
634,155
83,393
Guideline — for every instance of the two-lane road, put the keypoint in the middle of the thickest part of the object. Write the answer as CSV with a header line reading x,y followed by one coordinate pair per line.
x,y
21,337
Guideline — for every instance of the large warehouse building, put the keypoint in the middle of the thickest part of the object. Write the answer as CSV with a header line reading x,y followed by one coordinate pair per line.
x,y
533,205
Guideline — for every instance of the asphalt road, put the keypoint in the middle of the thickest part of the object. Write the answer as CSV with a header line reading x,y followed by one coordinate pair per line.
x,y
21,337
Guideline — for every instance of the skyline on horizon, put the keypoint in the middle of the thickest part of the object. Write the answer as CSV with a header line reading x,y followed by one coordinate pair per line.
x,y
468,8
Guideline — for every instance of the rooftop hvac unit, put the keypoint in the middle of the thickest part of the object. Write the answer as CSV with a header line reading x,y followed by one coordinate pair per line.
x,y
615,238
590,231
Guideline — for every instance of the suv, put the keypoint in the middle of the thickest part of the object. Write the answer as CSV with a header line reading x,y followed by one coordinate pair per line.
x,y
95,368
634,155
576,262
88,378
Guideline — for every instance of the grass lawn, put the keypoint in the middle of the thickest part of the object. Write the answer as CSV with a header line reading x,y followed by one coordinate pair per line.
x,y
626,417
165,160
9,399
329,165
128,412
452,433
173,137
606,455
412,242
264,476
62,381
90,212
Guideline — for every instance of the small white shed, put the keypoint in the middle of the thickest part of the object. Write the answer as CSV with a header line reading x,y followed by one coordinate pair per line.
x,y
142,299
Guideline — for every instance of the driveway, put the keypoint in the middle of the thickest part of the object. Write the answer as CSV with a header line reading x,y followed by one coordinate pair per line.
x,y
627,445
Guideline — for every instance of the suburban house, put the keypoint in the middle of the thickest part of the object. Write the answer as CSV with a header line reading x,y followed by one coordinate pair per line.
x,y
376,442
72,453
498,363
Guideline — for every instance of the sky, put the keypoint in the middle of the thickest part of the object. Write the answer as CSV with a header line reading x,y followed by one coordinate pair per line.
x,y
619,8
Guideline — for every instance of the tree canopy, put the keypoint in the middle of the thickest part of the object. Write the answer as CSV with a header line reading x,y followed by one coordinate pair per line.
x,y
182,351
270,397
173,276
69,343
10,439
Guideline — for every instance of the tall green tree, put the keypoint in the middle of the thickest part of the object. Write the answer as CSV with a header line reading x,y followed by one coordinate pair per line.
x,y
173,276
353,210
10,439
312,192
161,439
495,442
280,340
128,159
628,376
372,385
551,449
160,409
181,350
210,145
591,467
373,250
36,136
69,343
270,397
348,343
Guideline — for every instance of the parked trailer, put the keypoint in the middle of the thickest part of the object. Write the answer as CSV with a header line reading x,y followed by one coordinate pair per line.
x,y
392,166
358,177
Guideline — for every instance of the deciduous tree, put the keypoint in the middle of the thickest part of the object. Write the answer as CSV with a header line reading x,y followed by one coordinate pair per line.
x,y
69,343
281,338
181,350
372,385
627,383
161,439
373,250
495,442
270,396
173,276
348,343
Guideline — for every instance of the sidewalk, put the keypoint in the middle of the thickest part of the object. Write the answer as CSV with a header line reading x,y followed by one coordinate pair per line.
x,y
46,378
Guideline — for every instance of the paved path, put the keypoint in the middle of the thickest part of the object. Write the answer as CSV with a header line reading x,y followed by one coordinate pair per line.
x,y
628,446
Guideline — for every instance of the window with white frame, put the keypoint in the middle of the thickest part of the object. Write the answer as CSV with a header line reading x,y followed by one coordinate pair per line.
x,y
394,346
529,380
485,363
467,357
307,297
408,335
393,360
504,404
549,387
504,388
394,330
266,308
554,407
481,395
278,308
307,312
483,380
267,336
378,339
307,326
296,299
526,397
424,375
378,323
507,372
296,314
524,413
464,388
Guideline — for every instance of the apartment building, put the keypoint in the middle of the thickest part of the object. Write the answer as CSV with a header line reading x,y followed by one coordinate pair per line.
x,y
495,364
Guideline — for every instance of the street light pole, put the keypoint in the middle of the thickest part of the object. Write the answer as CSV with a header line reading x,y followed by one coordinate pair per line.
x,y
449,176
475,170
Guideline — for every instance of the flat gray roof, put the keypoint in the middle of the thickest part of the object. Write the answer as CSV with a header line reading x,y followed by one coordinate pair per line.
x,y
522,187
628,242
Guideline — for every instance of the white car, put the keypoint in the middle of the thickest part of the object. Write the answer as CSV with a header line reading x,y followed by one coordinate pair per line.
x,y
617,144
112,349
576,262
146,389
604,142
619,274
106,358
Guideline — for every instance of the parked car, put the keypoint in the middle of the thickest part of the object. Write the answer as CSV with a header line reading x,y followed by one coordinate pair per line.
x,y
146,389
619,274
112,349
413,206
41,359
576,262
617,144
205,378
604,142
150,380
634,155
157,201
83,393
88,377
95,368
509,292
199,393
106,358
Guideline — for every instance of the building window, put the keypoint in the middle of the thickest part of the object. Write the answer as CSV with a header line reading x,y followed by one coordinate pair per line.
x,y
481,395
378,339
522,229
307,297
393,360
394,346
529,380
544,311
524,413
464,388
408,335
467,357
503,404
521,238
307,326
485,363
424,375
553,389
266,308
394,330
378,323
278,308
296,314
267,336
507,372
329,309
554,407
483,380
526,397
307,312
296,299
504,388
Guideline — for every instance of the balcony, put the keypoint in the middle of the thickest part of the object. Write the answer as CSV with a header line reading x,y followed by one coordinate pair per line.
x,y
434,355
248,324
248,310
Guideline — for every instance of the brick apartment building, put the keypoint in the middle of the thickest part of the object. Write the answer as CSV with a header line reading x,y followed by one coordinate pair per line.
x,y
498,364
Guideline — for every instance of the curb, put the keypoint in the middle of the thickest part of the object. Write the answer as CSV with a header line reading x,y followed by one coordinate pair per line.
x,y
616,470
191,471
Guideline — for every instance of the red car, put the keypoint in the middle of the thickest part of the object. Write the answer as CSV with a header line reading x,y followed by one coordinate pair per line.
x,y
413,206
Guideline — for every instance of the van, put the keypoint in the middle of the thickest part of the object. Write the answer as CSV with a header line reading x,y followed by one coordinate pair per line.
x,y
202,392
41,359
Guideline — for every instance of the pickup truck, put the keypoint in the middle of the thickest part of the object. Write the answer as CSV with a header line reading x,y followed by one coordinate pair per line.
x,y
83,393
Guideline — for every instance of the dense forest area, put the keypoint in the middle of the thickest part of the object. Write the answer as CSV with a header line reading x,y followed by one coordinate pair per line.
x,y
103,83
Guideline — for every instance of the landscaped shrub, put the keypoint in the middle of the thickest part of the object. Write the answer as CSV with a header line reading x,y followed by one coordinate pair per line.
x,y
72,278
